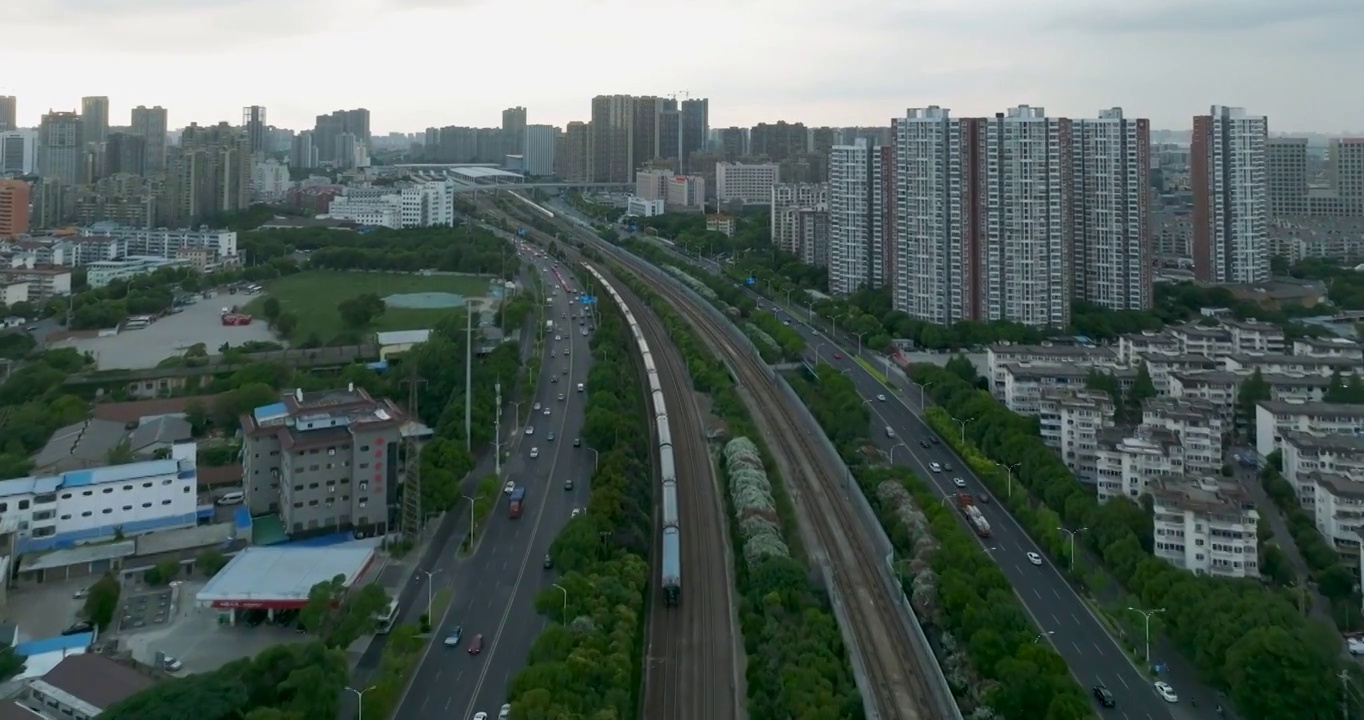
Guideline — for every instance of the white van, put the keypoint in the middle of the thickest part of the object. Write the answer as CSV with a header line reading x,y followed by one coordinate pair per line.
x,y
580,387
235,497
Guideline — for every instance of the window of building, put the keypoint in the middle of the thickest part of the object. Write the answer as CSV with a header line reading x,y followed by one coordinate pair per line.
x,y
66,517
126,488
23,504
108,491
126,508
107,511
165,502
146,504
364,485
87,513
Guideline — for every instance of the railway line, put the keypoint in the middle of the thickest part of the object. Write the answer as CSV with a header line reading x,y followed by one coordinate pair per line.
x,y
897,688
691,647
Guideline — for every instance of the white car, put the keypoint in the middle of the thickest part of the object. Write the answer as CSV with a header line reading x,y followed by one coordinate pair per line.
x,y
481,716
882,398
530,429
577,512
558,337
505,712
931,466
561,397
546,411
959,482
536,407
509,487
1356,646
1166,692
1034,558
170,664
534,453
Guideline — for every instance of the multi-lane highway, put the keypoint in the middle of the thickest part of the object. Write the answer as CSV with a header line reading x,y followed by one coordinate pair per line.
x,y
1069,624
494,588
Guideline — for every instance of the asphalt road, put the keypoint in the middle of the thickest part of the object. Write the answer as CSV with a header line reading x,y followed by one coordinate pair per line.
x,y
494,589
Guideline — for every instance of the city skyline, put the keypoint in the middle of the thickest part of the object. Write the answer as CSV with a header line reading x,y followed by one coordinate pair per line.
x,y
1166,61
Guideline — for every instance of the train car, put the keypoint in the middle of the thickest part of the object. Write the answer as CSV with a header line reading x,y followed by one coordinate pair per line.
x,y
654,384
660,405
665,433
672,567
667,469
670,518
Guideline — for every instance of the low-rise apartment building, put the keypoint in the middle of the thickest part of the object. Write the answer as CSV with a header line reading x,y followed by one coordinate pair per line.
x,y
1221,388
1289,364
1070,423
1339,511
997,356
1331,347
324,462
1306,455
1197,424
1275,418
1133,347
1160,367
1205,526
1127,461
44,283
1024,383
1200,340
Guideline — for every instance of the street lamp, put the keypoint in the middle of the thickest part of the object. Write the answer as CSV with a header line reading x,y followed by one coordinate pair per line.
x,y
1042,635
359,700
429,574
1010,470
595,457
1147,614
1072,534
516,418
962,423
472,501
565,592
895,447
859,342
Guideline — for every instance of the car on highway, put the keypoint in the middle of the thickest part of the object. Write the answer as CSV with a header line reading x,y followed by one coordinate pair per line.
x,y
935,467
959,482
1166,692
554,353
1034,558
480,716
577,442
838,356
509,487
947,466
558,338
577,512
536,406
934,439
546,411
1104,697
534,453
568,484
923,444
1355,646
584,332
505,712
882,398
454,636
561,397
554,378
530,429
549,563
983,499
476,645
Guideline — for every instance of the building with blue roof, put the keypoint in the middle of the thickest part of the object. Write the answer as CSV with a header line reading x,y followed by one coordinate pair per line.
x,y
97,504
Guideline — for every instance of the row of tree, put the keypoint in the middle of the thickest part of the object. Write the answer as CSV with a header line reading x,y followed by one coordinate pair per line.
x,y
587,662
463,249
1242,636
985,642
797,665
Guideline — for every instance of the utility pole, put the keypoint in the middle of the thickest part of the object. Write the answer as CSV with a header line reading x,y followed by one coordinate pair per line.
x,y
469,378
497,432
412,517
1344,695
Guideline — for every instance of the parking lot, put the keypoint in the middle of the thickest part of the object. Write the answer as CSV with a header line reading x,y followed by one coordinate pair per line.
x,y
143,610
171,335
42,611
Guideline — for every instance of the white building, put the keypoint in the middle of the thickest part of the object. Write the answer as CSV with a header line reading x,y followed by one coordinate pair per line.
x,y
373,210
269,179
84,506
415,205
1070,421
1220,388
539,150
1231,199
1126,465
1339,511
1290,364
745,183
1160,367
1329,347
101,273
1275,418
851,185
1025,383
1026,244
1198,425
162,242
1206,527
788,200
1307,456
636,206
997,356
1111,166
18,152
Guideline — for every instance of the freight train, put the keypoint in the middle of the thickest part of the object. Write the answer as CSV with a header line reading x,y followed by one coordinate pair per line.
x,y
671,565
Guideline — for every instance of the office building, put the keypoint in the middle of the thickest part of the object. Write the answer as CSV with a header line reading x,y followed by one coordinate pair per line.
x,y
94,119
538,150
1231,204
745,183
1205,526
302,154
852,183
18,152
514,133
61,155
150,123
13,208
9,112
256,128
324,462
1111,165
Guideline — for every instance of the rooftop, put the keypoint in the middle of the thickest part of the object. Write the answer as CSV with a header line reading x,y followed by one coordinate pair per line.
x,y
1329,443
96,679
479,173
264,574
402,337
1312,360
94,476
1205,495
80,445
1316,409
79,555
1338,485
131,412
11,710
1272,379
1080,351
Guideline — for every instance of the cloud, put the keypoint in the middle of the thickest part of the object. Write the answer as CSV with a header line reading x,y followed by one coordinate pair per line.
x,y
1205,16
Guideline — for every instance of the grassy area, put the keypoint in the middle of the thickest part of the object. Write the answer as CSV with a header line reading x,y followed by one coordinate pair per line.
x,y
313,296
874,372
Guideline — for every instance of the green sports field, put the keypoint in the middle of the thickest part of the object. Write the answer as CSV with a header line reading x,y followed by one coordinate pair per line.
x,y
314,295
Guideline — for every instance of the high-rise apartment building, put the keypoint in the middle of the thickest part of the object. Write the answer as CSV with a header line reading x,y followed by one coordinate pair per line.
x,y
538,149
733,143
256,128
748,183
574,163
61,148
612,159
852,183
695,129
13,208
211,174
150,123
9,113
1231,207
1345,169
302,154
18,152
1286,176
124,153
1110,178
328,130
788,199
94,119
513,132
778,141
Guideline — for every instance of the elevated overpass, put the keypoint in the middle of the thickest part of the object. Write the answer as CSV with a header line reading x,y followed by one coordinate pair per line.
x,y
503,187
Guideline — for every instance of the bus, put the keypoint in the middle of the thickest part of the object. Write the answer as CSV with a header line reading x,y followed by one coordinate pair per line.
x,y
386,619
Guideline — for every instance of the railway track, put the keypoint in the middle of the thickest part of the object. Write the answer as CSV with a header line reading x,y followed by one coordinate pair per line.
x,y
691,649
891,668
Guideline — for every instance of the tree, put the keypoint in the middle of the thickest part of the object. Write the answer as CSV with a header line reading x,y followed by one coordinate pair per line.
x,y
285,324
101,601
1142,390
339,618
210,561
359,312
1254,390
198,417
271,308
11,662
163,573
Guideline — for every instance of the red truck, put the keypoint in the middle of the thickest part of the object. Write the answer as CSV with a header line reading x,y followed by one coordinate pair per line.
x,y
974,517
518,500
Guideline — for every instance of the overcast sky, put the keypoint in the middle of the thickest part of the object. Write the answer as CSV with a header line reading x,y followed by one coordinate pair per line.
x,y
419,63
